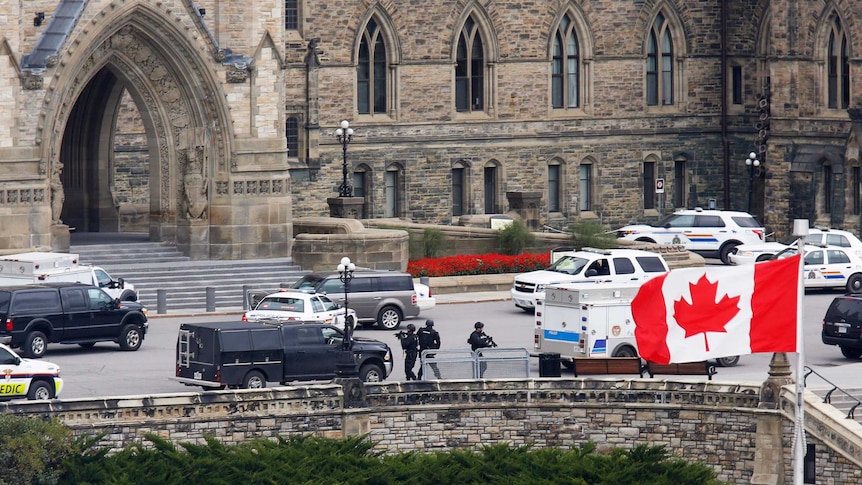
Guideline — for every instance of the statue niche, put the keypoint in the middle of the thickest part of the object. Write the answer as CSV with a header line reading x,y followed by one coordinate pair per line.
x,y
193,160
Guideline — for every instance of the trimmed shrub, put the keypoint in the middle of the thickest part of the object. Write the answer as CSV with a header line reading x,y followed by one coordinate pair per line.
x,y
432,242
592,235
515,237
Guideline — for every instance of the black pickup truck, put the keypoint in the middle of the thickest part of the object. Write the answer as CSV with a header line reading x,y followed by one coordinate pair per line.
x,y
248,355
67,313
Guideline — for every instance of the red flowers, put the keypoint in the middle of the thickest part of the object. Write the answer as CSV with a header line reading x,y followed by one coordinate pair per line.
x,y
474,264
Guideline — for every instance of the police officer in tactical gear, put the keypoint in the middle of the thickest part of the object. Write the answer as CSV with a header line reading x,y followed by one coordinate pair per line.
x,y
429,339
480,340
410,344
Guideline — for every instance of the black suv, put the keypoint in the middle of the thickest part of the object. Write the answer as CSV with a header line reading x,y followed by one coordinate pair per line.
x,y
842,325
68,313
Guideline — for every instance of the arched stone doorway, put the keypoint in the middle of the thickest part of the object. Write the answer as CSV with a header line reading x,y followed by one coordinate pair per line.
x,y
142,57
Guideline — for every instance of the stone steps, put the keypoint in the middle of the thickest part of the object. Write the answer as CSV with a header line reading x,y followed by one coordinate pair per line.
x,y
153,266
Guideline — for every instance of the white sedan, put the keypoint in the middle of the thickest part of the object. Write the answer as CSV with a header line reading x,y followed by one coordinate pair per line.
x,y
829,267
754,253
423,297
297,306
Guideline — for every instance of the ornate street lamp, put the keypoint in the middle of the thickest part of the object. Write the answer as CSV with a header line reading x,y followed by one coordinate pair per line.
x,y
752,162
344,135
346,365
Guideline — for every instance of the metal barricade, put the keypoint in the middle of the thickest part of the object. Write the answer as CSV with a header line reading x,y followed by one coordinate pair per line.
x,y
488,363
448,364
499,362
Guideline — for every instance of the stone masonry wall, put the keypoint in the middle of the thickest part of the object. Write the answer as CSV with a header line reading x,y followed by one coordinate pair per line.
x,y
713,423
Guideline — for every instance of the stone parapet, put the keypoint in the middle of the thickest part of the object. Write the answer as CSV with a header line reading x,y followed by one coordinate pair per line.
x,y
716,423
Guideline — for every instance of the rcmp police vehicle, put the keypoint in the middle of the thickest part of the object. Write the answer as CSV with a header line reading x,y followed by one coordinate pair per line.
x,y
26,378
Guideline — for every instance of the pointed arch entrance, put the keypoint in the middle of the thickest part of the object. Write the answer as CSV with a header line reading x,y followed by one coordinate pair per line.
x,y
173,88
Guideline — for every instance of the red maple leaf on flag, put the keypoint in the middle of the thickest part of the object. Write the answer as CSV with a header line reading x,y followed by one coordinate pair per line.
x,y
704,314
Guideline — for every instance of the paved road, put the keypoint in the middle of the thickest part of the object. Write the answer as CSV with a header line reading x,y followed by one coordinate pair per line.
x,y
106,371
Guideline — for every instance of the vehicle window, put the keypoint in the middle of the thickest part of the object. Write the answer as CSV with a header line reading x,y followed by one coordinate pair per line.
x,y
397,283
708,221
784,253
814,257
316,305
677,220
651,264
282,303
328,305
837,240
813,238
601,268
236,340
103,278
308,336
7,358
99,299
837,257
849,309
307,283
48,300
623,266
571,265
332,285
332,336
744,221
5,296
362,285
74,299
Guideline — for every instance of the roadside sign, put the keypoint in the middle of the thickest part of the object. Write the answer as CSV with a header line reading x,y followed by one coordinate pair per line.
x,y
659,186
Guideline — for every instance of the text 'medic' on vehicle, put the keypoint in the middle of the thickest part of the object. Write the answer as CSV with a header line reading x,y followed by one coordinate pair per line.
x,y
710,233
588,266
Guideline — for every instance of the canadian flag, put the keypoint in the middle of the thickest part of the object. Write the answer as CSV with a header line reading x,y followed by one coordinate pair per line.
x,y
694,314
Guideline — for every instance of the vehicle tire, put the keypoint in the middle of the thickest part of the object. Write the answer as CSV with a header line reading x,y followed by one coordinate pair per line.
x,y
40,391
87,345
854,283
129,296
724,251
645,239
254,380
727,361
371,373
625,352
851,352
131,337
389,318
35,345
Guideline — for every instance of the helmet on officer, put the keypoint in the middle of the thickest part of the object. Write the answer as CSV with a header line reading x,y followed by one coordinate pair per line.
x,y
411,327
478,325
429,323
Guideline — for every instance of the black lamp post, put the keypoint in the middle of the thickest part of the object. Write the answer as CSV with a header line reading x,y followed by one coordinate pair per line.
x,y
344,136
752,162
346,364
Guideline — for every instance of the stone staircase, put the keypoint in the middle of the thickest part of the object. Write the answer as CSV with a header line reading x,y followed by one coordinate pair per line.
x,y
152,266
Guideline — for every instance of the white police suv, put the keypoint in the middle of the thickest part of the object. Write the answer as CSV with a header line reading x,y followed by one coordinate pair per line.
x,y
27,378
710,233
587,266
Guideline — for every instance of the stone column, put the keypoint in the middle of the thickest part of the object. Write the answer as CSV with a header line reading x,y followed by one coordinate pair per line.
x,y
345,207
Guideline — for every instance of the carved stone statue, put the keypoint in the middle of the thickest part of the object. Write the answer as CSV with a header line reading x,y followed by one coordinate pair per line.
x,y
192,151
57,194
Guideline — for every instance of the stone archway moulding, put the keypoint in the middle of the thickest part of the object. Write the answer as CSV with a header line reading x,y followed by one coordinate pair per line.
x,y
168,75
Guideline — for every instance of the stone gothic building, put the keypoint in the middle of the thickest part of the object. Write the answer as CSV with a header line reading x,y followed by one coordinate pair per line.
x,y
211,123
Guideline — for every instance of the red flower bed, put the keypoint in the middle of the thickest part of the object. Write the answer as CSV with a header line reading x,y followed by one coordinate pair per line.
x,y
473,264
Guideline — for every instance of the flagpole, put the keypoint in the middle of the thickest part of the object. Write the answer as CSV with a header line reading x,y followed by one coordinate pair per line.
x,y
800,230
